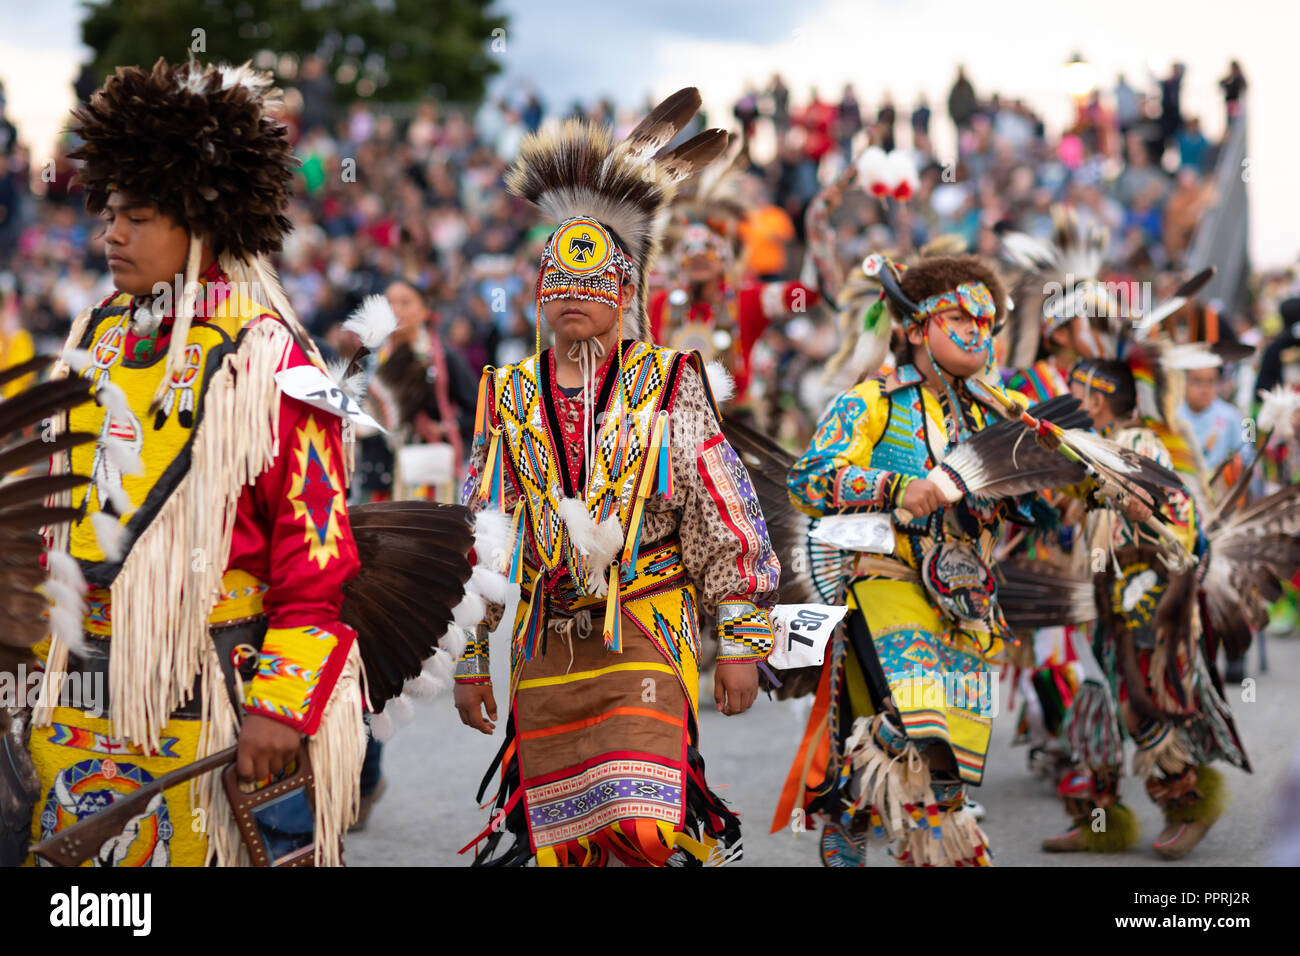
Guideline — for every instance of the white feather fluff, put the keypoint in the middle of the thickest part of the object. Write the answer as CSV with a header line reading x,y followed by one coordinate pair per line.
x,y
469,612
67,623
721,384
354,385
255,81
113,399
1189,355
1029,252
453,642
494,539
76,359
63,595
119,499
381,727
492,585
901,171
1278,404
65,569
372,322
121,456
401,709
67,606
419,687
873,169
439,668
598,542
109,534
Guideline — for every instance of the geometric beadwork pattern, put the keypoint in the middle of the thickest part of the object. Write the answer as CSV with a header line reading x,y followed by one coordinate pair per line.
x,y
626,423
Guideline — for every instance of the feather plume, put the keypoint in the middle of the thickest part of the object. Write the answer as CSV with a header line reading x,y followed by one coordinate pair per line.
x,y
902,177
411,589
401,710
721,384
491,585
1182,295
864,332
121,456
1005,459
202,141
1042,594
873,171
372,322
494,539
353,383
599,542
469,612
76,359
1277,406
109,535
33,605
113,399
453,642
65,569
381,727
580,171
440,669
420,686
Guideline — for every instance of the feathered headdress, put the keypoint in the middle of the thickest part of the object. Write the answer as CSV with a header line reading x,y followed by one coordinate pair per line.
x,y
713,200
606,199
203,144
196,140
1056,282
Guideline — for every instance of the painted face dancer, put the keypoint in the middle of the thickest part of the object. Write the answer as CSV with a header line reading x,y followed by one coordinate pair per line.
x,y
632,519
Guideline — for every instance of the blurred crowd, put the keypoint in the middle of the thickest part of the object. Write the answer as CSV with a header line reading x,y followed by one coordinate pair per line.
x,y
416,193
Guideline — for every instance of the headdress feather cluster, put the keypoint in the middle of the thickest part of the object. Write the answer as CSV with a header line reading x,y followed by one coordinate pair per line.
x,y
581,171
198,140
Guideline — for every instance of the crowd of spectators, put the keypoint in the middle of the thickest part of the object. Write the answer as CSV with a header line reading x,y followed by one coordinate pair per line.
x,y
417,193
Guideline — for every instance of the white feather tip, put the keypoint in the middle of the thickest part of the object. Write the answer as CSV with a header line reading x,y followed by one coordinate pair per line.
x,y
373,321
121,456
721,383
76,359
109,534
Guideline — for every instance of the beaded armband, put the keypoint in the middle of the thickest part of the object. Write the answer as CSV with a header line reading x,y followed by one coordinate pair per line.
x,y
744,631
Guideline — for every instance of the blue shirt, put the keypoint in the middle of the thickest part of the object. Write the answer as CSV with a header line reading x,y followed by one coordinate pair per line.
x,y
1218,431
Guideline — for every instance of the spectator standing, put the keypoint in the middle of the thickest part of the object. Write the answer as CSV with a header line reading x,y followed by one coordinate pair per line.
x,y
921,124
1127,111
780,94
961,101
1233,85
849,122
1171,117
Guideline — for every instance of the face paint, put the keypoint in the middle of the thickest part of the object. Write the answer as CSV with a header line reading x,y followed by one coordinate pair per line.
x,y
972,297
983,341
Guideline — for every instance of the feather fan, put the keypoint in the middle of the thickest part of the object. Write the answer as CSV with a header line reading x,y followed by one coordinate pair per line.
x,y
30,604
811,571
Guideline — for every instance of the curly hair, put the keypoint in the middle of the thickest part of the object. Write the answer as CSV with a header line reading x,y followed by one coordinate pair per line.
x,y
932,275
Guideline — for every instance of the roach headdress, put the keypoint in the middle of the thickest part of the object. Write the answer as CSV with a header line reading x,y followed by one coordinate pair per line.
x,y
606,199
199,142
203,144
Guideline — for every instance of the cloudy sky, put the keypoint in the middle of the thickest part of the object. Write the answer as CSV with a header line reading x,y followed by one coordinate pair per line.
x,y
631,50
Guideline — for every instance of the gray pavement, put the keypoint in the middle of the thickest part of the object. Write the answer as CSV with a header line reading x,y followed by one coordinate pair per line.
x,y
433,766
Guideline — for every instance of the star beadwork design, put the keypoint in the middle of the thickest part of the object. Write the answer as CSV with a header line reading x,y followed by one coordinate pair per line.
x,y
315,494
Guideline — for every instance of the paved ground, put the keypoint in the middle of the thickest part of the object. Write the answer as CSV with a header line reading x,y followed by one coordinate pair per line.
x,y
433,766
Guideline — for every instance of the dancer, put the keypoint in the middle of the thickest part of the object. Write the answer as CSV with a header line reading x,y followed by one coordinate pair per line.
x,y
632,517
